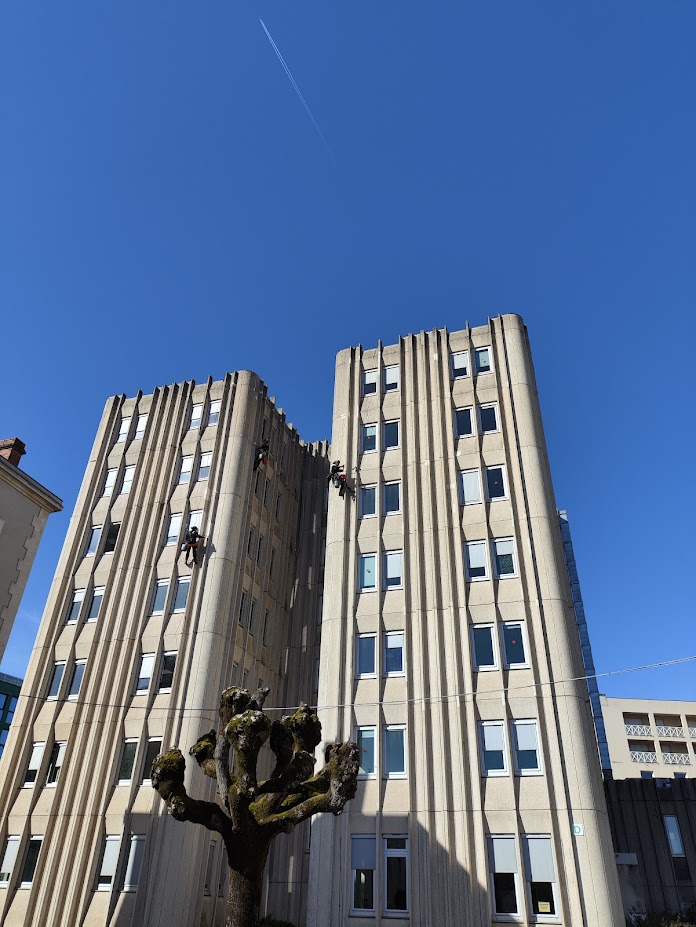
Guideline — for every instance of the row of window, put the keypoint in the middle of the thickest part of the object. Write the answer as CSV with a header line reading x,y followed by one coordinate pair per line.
x,y
160,596
503,557
459,367
130,849
195,420
464,420
504,868
185,474
470,491
165,675
249,616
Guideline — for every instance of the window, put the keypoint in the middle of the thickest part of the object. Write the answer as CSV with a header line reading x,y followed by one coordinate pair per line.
x,y
242,608
395,751
185,469
679,775
97,597
365,655
154,748
123,430
147,661
369,384
160,597
365,740
279,507
460,364
260,551
393,577
266,621
391,378
34,763
135,862
392,498
109,863
77,677
128,475
271,565
31,858
493,748
214,414
125,770
504,557
315,686
540,873
646,774
210,868
11,710
368,501
167,671
488,418
476,561
513,644
55,763
195,519
495,483
366,572
395,875
252,617
112,537
484,647
394,653
204,466
245,679
140,426
391,434
196,415
266,493
182,591
503,867
76,605
363,864
109,482
463,427
174,529
682,873
93,542
320,608
9,859
251,543
56,678
470,487
482,360
526,747
369,438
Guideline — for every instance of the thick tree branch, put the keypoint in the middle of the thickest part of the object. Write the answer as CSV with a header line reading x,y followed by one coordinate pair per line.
x,y
203,751
168,778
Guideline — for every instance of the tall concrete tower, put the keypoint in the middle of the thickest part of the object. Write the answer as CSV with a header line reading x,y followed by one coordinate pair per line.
x,y
449,646
135,647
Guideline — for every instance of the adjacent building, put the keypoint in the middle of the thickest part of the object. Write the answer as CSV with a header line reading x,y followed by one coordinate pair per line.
x,y
24,509
650,738
430,618
9,692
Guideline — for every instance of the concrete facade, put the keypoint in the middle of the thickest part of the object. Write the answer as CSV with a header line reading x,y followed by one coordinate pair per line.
x,y
650,738
24,509
653,826
482,796
135,647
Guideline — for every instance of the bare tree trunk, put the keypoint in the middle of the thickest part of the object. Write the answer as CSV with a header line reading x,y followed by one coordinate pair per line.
x,y
244,899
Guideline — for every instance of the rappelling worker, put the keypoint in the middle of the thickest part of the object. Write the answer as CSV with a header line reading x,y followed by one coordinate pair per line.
x,y
261,455
192,542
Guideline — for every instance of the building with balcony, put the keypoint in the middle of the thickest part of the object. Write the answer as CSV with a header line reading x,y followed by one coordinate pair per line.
x,y
650,739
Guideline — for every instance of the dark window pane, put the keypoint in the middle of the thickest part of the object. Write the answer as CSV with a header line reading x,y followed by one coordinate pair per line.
x,y
527,759
463,422
493,760
396,884
514,645
96,605
483,647
392,502
160,597
395,659
30,860
369,437
391,434
75,607
505,897
55,680
488,419
112,537
153,749
182,591
168,666
542,898
505,564
93,540
363,889
681,869
76,680
127,759
494,480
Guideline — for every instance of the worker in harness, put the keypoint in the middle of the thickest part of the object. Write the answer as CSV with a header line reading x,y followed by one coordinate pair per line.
x,y
338,479
192,542
261,455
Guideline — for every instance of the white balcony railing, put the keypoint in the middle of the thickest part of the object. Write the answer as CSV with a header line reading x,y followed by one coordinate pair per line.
x,y
676,759
639,730
643,756
665,730
692,731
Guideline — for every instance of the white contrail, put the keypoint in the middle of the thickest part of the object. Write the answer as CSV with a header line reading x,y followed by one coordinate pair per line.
x,y
296,88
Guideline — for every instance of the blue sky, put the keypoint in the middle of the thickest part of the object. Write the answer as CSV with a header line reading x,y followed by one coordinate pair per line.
x,y
167,211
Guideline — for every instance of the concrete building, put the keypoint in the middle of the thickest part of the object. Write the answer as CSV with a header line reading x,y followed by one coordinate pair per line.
x,y
447,639
24,509
135,647
653,826
650,738
448,633
9,692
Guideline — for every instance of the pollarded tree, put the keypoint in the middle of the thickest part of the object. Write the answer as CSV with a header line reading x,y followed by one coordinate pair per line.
x,y
252,813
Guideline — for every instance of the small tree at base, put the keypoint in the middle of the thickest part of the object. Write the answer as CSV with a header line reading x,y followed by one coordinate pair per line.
x,y
252,813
